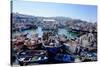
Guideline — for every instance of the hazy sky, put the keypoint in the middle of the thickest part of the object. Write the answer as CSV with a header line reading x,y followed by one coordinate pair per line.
x,y
83,12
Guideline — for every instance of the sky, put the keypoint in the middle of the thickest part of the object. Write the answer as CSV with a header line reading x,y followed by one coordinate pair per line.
x,y
45,9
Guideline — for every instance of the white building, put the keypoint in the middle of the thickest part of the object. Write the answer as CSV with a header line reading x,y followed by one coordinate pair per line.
x,y
49,24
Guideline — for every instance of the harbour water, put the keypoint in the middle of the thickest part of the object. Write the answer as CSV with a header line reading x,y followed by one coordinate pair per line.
x,y
39,31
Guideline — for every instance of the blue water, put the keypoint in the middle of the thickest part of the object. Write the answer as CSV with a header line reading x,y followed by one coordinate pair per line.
x,y
67,33
63,31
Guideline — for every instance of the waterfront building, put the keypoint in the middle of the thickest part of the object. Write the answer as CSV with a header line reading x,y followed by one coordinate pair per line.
x,y
50,24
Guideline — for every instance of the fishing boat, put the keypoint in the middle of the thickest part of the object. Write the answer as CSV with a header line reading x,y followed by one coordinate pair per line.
x,y
31,57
